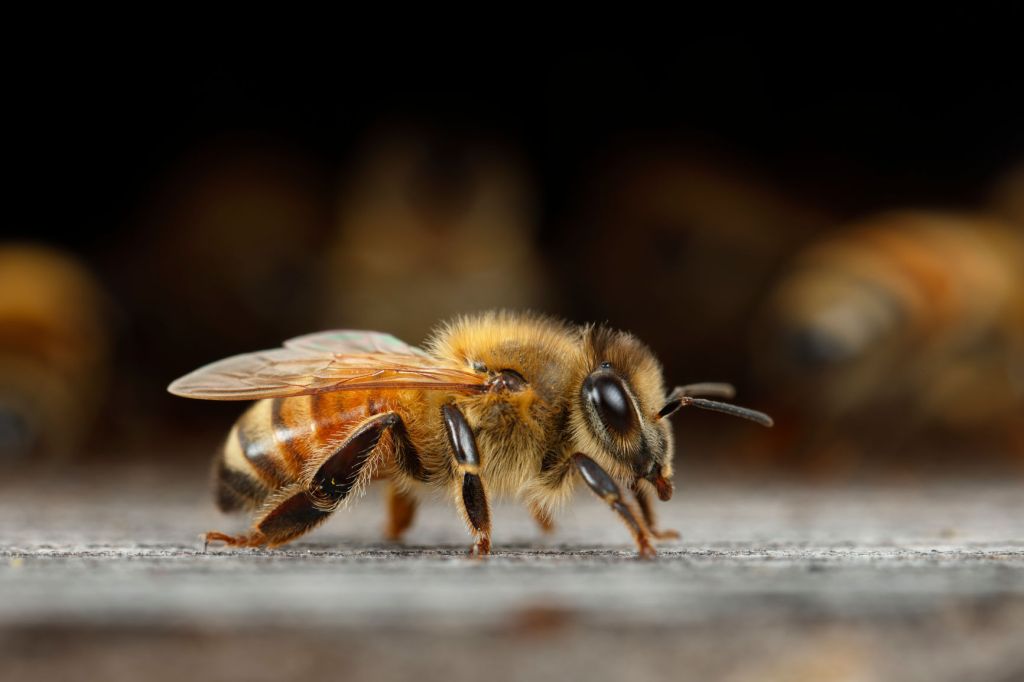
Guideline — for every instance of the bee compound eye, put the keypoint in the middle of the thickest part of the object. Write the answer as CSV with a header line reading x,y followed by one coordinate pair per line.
x,y
608,396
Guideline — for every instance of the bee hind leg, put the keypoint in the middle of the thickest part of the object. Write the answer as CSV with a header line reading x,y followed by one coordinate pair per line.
x,y
296,513
301,507
249,540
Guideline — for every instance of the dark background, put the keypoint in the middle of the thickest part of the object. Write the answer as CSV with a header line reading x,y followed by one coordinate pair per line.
x,y
854,113
864,112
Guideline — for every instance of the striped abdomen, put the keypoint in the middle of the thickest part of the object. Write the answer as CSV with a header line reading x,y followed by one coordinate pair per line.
x,y
272,442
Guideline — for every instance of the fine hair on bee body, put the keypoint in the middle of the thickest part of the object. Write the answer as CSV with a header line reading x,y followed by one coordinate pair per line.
x,y
500,404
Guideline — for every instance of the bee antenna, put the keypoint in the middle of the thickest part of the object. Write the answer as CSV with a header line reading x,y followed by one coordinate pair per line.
x,y
679,401
708,389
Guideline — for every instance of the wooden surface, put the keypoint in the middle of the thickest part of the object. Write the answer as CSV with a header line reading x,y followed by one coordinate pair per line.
x,y
770,582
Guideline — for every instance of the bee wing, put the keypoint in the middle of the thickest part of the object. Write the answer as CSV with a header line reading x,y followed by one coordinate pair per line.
x,y
353,341
309,365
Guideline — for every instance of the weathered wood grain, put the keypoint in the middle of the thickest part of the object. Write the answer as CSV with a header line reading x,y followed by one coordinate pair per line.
x,y
770,581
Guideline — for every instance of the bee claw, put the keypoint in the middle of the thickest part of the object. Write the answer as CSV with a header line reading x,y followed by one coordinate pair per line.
x,y
229,540
667,534
645,550
481,548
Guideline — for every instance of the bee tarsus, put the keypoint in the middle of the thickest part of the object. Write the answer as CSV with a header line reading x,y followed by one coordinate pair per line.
x,y
643,500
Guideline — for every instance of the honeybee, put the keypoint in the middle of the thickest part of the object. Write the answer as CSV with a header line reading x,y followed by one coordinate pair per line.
x,y
907,323
54,353
498,404
463,209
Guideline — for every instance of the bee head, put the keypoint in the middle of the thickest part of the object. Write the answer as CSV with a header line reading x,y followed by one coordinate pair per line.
x,y
617,409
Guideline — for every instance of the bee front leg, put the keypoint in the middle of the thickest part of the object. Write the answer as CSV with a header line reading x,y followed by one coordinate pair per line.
x,y
643,499
608,490
474,505
302,506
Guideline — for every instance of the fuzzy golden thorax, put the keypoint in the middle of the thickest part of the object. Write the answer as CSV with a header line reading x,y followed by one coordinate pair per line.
x,y
533,361
614,410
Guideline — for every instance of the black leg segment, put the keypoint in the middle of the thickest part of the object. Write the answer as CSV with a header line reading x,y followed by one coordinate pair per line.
x,y
294,516
476,502
608,490
337,476
467,460
460,437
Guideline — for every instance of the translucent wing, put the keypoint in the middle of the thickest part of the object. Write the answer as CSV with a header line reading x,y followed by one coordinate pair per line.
x,y
329,361
352,341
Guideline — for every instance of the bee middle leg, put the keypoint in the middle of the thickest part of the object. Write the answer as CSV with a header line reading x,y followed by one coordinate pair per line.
x,y
301,507
474,505
401,511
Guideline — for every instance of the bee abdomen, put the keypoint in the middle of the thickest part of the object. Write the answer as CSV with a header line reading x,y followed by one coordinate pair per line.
x,y
253,463
261,451
271,444
236,490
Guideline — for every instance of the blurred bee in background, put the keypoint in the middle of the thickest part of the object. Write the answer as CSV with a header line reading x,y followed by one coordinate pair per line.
x,y
54,352
678,246
449,218
906,324
499,404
